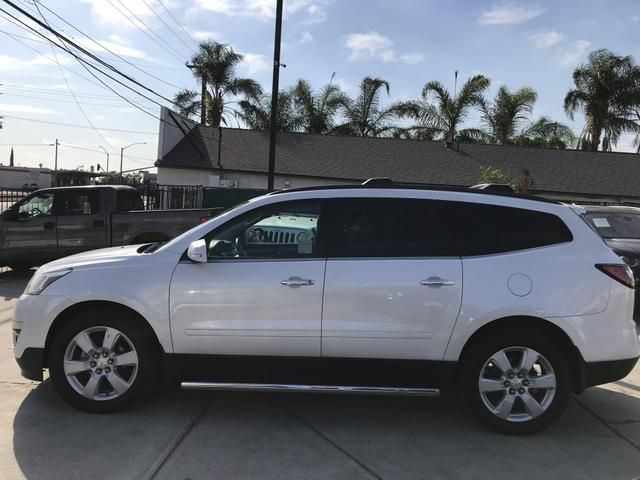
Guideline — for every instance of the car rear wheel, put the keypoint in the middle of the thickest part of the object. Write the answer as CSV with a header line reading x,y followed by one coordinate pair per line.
x,y
516,382
100,362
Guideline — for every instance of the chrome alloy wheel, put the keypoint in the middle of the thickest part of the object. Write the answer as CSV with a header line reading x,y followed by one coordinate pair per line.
x,y
100,363
517,384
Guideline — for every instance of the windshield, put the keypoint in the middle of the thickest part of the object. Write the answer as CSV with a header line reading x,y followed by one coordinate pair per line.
x,y
615,225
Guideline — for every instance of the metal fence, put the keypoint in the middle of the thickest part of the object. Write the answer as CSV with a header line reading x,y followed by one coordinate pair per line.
x,y
9,196
158,197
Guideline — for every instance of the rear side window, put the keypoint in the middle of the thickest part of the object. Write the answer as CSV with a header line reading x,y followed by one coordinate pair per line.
x,y
390,227
128,200
77,202
481,229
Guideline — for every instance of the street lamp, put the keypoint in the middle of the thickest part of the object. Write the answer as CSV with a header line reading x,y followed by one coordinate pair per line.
x,y
122,155
105,151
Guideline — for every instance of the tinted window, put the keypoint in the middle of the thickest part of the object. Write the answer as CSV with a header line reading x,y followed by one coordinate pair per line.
x,y
128,200
77,202
615,225
423,228
285,230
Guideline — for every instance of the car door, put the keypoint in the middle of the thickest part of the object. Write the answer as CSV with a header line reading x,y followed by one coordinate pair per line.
x,y
81,223
393,287
29,231
260,293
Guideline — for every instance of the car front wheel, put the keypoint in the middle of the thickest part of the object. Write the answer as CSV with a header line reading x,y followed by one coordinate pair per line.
x,y
516,383
99,364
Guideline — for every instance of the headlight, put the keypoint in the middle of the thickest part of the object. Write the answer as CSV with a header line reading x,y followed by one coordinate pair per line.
x,y
40,281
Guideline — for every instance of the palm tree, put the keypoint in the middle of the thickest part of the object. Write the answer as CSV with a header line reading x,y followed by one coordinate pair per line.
x,y
606,90
364,116
187,102
505,117
442,118
318,109
255,112
216,63
507,121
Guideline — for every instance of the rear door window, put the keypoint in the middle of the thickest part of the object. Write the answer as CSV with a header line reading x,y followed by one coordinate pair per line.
x,y
77,202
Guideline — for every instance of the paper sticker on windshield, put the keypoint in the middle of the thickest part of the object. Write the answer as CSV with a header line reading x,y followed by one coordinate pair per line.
x,y
601,222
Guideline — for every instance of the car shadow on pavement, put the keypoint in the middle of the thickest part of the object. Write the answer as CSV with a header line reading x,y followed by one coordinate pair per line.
x,y
281,436
12,283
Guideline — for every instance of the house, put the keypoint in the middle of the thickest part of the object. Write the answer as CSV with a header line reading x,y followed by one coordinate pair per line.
x,y
238,158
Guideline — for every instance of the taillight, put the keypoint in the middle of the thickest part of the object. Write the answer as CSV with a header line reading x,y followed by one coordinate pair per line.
x,y
621,273
204,219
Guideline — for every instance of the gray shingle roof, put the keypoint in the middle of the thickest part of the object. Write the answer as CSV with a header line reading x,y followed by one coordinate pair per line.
x,y
354,158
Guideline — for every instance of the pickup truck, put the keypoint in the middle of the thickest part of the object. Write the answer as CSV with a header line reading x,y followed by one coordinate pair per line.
x,y
55,222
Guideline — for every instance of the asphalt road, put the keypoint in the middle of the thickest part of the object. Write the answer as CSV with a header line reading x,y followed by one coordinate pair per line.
x,y
200,435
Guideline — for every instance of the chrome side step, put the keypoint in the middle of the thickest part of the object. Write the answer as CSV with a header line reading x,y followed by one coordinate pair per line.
x,y
344,389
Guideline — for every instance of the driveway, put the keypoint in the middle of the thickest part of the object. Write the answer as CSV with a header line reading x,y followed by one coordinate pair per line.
x,y
202,435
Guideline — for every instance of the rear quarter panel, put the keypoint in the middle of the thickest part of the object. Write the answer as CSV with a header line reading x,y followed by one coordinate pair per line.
x,y
563,285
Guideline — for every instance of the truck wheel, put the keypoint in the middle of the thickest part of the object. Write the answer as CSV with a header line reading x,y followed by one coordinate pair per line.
x,y
516,382
101,361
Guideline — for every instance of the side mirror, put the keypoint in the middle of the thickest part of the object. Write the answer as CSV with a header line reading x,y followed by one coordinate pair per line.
x,y
197,251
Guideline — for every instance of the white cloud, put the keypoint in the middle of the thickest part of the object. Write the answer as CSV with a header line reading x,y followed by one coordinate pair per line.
x,y
546,39
13,108
375,45
205,35
107,13
306,37
302,11
574,52
15,64
412,58
363,45
255,63
509,14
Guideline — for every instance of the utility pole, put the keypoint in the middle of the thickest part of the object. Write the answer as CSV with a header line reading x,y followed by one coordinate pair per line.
x,y
274,98
55,165
105,151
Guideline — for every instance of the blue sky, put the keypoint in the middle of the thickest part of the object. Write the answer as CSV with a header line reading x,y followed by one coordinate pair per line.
x,y
407,42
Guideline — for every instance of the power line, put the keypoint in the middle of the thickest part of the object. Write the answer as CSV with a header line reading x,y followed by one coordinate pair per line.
x,y
77,47
178,23
167,25
36,2
77,126
145,32
139,160
56,93
84,114
84,63
57,100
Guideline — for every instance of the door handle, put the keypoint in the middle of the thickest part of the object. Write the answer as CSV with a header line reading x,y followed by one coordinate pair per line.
x,y
437,282
98,223
296,282
49,225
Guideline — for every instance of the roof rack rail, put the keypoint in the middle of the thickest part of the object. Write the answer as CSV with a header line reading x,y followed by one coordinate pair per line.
x,y
378,182
494,187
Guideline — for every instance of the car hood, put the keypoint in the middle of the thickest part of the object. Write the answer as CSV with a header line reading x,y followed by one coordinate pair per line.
x,y
103,256
628,247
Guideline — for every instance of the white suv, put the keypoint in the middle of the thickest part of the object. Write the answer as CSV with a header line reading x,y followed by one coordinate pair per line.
x,y
362,289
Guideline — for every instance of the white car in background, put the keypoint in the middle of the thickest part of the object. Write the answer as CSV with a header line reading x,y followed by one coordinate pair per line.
x,y
375,288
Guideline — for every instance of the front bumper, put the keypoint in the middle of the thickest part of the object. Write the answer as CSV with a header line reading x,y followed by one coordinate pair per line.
x,y
31,363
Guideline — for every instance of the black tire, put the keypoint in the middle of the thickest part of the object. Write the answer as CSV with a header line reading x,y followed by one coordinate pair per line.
x,y
141,339
484,348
